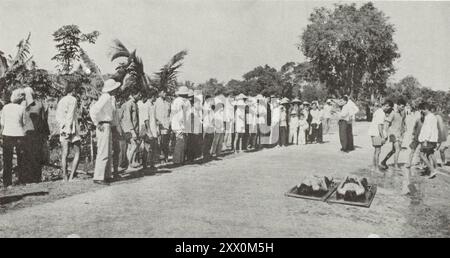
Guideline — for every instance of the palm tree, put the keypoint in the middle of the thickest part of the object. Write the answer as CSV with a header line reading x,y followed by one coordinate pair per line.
x,y
166,77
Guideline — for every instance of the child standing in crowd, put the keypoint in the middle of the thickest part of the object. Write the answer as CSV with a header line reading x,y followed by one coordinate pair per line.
x,y
376,132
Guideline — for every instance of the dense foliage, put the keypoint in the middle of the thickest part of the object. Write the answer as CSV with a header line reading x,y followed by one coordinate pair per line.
x,y
352,49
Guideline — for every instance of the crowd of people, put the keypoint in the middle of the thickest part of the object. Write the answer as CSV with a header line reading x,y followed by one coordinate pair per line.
x,y
429,136
147,127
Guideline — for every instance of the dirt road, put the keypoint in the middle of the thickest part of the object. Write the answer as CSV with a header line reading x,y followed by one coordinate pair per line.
x,y
243,196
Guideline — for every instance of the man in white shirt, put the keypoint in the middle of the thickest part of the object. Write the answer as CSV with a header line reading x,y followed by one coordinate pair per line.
x,y
346,117
377,132
178,122
315,122
219,127
327,108
150,132
12,123
208,127
162,107
67,118
103,116
428,137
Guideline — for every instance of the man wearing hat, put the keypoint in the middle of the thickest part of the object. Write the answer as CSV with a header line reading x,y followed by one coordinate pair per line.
x,y
130,125
103,116
240,122
178,121
284,122
13,134
294,113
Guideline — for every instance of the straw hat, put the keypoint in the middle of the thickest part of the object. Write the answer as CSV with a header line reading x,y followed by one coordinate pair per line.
x,y
305,103
260,97
191,93
241,97
284,101
17,95
183,90
296,100
110,85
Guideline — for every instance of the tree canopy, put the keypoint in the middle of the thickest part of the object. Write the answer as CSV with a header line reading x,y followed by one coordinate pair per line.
x,y
352,49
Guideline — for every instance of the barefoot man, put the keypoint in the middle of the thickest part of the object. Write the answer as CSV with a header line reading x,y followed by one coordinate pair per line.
x,y
396,128
376,131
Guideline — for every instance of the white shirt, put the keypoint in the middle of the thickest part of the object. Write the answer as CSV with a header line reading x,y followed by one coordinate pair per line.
x,y
177,115
262,112
377,119
198,116
316,116
208,118
327,111
218,121
240,117
429,131
66,115
149,114
252,112
104,109
142,112
13,120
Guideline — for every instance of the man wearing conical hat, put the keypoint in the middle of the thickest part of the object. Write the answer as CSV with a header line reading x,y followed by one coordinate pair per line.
x,y
103,116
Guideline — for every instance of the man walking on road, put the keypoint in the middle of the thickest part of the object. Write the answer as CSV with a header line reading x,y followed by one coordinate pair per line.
x,y
396,128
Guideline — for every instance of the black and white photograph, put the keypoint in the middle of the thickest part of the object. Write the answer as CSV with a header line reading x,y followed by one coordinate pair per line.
x,y
250,119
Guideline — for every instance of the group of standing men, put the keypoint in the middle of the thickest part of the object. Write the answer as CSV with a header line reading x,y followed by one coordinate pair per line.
x,y
145,127
429,135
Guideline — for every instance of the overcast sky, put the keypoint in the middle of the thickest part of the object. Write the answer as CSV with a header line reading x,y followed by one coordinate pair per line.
x,y
225,39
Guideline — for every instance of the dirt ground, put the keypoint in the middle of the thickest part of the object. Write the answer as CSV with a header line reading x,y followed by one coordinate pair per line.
x,y
239,196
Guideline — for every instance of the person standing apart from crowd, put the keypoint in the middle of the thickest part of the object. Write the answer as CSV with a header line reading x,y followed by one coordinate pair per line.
x,y
428,137
102,115
377,132
284,123
396,128
294,121
178,122
130,125
208,127
69,129
162,107
345,124
240,122
219,127
12,123
327,112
